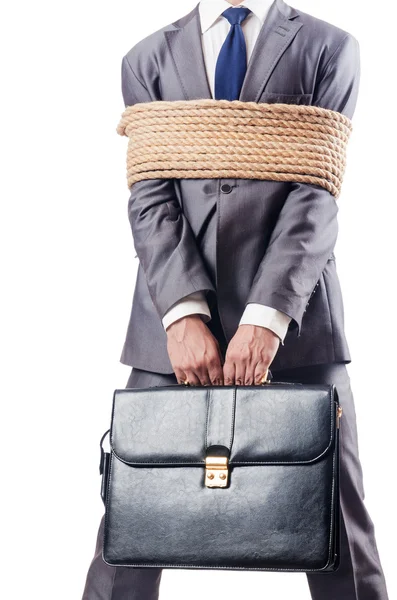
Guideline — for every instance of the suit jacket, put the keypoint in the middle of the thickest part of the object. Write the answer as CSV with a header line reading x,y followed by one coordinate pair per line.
x,y
251,241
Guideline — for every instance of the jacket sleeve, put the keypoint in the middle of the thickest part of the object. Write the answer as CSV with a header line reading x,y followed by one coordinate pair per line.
x,y
163,239
306,231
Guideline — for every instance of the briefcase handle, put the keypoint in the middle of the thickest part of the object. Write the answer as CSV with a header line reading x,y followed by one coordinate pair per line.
x,y
267,378
103,453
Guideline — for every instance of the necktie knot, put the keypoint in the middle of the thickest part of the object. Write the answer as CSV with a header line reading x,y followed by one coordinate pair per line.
x,y
236,15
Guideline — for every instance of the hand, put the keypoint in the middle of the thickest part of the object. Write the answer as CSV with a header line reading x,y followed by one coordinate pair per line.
x,y
249,355
194,352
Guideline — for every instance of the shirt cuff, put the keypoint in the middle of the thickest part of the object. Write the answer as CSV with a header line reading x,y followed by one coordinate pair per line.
x,y
266,316
189,305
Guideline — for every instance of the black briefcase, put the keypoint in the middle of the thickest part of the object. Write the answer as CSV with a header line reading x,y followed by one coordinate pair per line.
x,y
223,477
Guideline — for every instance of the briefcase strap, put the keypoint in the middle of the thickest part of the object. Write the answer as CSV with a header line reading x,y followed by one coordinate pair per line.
x,y
104,467
103,453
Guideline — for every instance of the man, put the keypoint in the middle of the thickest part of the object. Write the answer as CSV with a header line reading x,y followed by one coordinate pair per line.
x,y
237,275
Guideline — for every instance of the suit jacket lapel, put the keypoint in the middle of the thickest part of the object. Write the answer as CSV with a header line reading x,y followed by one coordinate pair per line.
x,y
185,46
275,36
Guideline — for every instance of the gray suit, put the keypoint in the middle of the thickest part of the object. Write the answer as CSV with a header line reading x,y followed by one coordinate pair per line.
x,y
264,241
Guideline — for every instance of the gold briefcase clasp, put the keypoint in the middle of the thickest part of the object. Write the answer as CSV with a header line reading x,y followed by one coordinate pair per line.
x,y
216,471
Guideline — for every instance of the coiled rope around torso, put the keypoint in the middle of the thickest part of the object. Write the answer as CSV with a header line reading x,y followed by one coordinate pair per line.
x,y
209,138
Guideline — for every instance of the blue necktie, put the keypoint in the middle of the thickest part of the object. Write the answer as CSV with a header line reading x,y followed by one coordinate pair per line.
x,y
231,65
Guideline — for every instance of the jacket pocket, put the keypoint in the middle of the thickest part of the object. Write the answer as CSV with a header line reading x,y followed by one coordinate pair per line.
x,y
275,97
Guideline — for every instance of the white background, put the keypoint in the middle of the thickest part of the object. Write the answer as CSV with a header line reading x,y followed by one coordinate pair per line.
x,y
69,270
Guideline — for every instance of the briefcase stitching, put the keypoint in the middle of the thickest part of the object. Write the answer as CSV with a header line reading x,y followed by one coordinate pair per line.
x,y
233,419
208,399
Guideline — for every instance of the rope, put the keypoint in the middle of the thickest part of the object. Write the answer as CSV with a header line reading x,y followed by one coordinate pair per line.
x,y
209,138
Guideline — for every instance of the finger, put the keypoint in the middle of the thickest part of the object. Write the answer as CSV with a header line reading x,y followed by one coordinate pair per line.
x,y
215,372
203,376
217,377
240,372
180,375
261,369
228,372
249,373
192,377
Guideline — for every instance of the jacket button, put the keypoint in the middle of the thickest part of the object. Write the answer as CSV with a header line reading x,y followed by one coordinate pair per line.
x,y
226,188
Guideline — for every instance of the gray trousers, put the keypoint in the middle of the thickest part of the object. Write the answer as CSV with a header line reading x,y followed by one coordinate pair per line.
x,y
359,576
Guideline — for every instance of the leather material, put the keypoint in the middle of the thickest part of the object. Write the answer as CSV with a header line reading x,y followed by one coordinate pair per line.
x,y
280,509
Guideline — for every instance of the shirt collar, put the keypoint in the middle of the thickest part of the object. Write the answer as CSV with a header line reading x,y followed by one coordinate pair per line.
x,y
211,10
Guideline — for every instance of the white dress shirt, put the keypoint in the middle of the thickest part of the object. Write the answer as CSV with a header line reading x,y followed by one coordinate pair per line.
x,y
214,30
